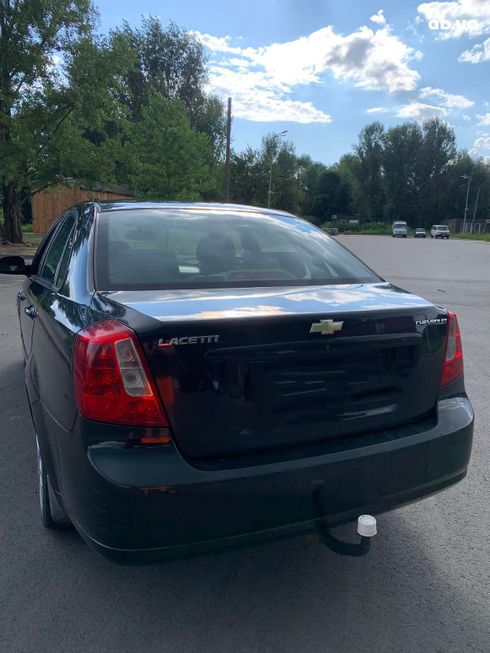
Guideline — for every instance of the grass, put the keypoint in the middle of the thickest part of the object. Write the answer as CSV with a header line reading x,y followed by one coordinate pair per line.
x,y
27,228
484,237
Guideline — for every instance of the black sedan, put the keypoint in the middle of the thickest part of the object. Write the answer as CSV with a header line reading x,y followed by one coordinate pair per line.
x,y
205,375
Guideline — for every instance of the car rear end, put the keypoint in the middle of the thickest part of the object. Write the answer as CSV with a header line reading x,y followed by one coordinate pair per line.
x,y
210,416
400,230
440,231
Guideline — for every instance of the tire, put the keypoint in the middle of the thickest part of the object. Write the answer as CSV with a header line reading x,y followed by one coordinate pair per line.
x,y
53,516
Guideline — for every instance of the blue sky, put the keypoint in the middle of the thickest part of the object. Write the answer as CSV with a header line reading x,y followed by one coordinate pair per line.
x,y
322,69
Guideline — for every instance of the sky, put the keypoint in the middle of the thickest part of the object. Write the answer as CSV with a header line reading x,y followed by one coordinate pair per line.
x,y
323,69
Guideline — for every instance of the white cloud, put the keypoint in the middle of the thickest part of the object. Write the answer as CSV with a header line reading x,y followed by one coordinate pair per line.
x,y
262,80
466,117
377,110
456,18
420,111
483,142
256,98
378,18
478,53
447,100
484,119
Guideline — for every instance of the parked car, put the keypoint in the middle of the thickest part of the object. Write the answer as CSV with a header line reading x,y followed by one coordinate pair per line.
x,y
399,229
420,232
203,375
439,231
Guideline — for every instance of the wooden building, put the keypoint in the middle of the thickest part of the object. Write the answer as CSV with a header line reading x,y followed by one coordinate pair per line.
x,y
49,204
480,226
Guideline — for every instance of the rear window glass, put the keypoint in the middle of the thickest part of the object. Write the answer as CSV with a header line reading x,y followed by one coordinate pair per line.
x,y
161,249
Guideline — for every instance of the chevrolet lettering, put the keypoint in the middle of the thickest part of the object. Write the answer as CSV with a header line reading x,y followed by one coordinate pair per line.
x,y
203,376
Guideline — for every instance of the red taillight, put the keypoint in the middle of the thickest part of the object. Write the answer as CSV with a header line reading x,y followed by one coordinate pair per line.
x,y
111,377
453,362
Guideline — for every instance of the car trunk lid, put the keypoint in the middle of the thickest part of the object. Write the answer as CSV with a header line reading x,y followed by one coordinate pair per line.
x,y
250,369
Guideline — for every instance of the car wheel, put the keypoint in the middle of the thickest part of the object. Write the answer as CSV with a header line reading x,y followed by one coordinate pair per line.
x,y
53,515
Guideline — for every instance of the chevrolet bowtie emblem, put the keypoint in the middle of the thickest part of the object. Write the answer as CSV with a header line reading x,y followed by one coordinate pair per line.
x,y
326,327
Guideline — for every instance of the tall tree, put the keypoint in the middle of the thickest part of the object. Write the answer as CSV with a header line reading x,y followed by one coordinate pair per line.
x,y
170,61
34,102
248,177
169,159
402,147
436,158
369,151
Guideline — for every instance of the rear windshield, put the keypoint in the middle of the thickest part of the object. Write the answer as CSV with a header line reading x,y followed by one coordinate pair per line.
x,y
400,224
162,248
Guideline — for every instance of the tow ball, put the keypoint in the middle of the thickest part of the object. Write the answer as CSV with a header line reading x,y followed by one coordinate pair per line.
x,y
366,527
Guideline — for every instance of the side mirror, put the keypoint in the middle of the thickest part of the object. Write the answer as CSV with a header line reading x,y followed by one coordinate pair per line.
x,y
13,265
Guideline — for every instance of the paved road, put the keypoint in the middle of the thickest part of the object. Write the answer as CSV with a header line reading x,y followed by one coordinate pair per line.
x,y
424,587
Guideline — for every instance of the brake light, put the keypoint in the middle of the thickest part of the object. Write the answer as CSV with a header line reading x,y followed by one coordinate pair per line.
x,y
453,363
111,377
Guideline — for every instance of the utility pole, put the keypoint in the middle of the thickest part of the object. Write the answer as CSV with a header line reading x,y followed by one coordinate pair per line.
x,y
228,146
468,177
475,208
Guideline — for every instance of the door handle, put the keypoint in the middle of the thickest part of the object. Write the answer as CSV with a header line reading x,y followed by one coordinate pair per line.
x,y
30,311
21,295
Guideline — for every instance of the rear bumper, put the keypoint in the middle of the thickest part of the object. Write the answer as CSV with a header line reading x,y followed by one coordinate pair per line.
x,y
141,505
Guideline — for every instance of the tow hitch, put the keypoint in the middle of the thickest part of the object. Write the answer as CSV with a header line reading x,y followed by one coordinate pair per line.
x,y
366,528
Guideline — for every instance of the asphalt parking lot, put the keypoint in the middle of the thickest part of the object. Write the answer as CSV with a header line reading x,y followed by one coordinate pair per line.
x,y
425,586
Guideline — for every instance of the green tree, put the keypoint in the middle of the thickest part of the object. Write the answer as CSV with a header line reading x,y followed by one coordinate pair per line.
x,y
284,182
170,61
169,159
34,101
332,196
436,158
89,144
369,151
348,168
248,177
402,147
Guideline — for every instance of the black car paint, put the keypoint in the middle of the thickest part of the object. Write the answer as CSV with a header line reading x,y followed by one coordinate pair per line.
x,y
136,503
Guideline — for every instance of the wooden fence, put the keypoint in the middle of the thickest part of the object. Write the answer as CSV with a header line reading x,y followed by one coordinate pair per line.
x,y
47,205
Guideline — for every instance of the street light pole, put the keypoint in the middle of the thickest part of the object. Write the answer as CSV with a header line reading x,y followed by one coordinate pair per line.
x,y
468,177
475,209
269,192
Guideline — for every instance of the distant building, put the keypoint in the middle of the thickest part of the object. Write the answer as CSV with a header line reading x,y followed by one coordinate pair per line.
x,y
49,204
479,226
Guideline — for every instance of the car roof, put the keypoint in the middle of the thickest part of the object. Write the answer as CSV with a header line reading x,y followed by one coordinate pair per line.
x,y
108,205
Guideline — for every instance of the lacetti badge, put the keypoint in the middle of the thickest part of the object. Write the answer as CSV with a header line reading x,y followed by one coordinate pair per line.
x,y
188,340
326,327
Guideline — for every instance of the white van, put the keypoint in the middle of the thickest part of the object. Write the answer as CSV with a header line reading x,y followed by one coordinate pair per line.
x,y
399,229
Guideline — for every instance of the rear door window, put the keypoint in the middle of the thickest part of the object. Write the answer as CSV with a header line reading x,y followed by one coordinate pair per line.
x,y
56,247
